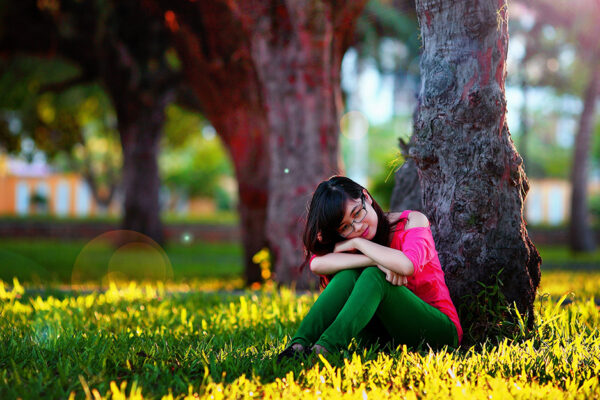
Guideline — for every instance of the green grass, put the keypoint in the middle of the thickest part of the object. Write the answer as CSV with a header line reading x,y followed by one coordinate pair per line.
x,y
175,339
562,257
54,261
153,341
217,218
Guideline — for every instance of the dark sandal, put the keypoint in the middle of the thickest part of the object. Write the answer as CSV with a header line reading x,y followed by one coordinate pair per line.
x,y
290,353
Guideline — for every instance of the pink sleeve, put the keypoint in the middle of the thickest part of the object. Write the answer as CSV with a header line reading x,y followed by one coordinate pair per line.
x,y
418,246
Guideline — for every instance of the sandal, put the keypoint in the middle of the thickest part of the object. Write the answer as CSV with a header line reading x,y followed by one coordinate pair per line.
x,y
291,353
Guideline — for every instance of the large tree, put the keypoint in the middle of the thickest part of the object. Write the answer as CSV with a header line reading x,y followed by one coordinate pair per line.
x,y
471,175
122,47
267,75
579,22
581,236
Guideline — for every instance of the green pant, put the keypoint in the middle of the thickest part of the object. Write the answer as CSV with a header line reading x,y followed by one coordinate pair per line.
x,y
360,303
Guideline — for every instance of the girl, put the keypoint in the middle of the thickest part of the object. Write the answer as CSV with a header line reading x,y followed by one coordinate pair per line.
x,y
382,276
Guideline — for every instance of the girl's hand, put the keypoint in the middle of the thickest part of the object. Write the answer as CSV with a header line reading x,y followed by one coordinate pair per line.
x,y
393,277
345,246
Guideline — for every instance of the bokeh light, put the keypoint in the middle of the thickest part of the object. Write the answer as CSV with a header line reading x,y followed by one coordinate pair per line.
x,y
119,257
354,125
187,238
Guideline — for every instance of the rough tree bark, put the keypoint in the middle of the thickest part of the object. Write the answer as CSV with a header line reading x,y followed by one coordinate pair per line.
x,y
471,175
267,75
581,237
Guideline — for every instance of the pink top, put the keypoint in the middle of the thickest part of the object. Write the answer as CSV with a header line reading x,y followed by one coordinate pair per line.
x,y
428,281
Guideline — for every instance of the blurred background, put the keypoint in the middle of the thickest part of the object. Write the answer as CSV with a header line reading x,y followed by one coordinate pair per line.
x,y
61,159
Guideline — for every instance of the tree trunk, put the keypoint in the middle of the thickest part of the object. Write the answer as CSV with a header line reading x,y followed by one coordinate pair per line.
x,y
267,76
140,129
251,160
472,178
141,84
581,237
298,49
212,40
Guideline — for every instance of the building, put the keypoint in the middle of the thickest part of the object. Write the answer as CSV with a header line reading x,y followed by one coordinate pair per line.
x,y
29,189
549,201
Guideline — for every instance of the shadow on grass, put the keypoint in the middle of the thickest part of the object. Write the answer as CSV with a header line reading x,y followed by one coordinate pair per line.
x,y
227,366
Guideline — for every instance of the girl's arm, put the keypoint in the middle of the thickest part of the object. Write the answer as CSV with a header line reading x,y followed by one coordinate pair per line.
x,y
334,262
392,259
389,258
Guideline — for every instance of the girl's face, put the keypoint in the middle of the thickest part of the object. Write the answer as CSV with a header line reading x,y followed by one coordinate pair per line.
x,y
355,211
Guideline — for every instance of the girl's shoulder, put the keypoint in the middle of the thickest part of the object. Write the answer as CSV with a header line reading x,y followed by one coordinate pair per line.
x,y
394,217
417,219
406,220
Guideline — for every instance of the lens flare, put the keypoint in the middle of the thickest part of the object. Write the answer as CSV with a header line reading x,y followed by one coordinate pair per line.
x,y
354,125
121,256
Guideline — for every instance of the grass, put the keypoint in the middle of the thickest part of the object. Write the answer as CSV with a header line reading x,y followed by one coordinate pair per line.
x,y
54,261
154,341
216,218
176,340
48,259
563,258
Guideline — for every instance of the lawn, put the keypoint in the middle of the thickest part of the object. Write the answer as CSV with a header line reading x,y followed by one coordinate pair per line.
x,y
220,217
175,340
55,261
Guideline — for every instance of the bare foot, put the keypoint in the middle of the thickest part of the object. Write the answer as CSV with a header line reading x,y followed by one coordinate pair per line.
x,y
318,349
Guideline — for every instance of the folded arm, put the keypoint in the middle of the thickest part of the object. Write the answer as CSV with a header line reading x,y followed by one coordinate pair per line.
x,y
392,259
334,262
389,258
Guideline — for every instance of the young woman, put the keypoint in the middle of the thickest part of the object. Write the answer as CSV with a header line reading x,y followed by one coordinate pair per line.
x,y
382,276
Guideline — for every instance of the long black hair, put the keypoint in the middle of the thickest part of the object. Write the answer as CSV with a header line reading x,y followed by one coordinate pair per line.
x,y
326,211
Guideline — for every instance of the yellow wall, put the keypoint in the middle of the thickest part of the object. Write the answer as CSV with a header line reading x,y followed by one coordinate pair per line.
x,y
545,189
7,194
201,206
8,185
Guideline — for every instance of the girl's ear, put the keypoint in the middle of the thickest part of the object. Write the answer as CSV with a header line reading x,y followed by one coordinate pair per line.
x,y
319,236
367,197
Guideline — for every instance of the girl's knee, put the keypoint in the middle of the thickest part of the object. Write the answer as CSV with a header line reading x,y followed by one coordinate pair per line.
x,y
373,276
373,273
346,277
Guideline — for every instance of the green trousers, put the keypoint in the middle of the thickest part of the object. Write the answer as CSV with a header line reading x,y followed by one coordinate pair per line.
x,y
361,304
